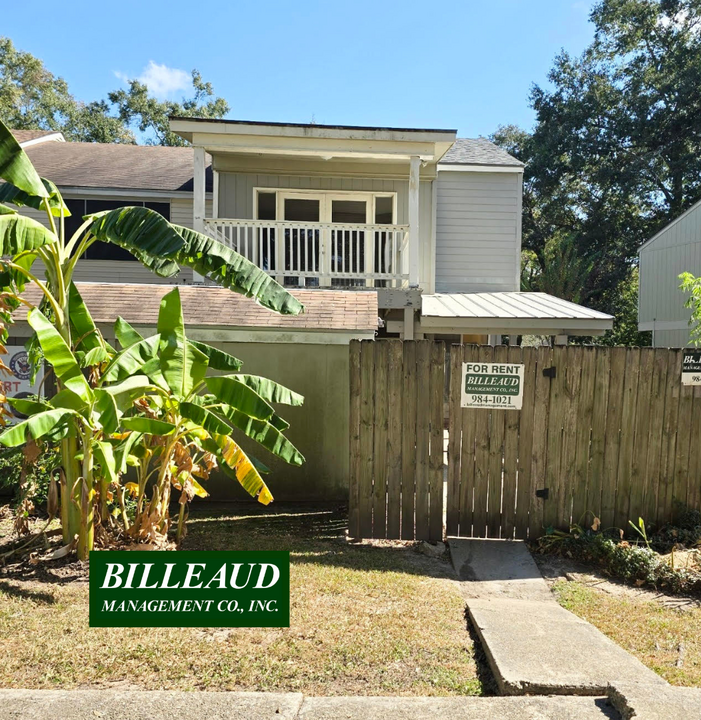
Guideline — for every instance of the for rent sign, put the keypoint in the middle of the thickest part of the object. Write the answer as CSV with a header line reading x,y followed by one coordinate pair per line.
x,y
691,367
492,385
189,589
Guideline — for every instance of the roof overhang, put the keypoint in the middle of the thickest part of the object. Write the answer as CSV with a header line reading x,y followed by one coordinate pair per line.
x,y
454,167
314,141
524,313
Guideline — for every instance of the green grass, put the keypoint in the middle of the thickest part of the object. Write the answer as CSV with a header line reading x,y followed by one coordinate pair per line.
x,y
666,639
365,620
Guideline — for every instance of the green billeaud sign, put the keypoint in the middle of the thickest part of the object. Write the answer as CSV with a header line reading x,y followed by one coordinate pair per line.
x,y
492,385
189,589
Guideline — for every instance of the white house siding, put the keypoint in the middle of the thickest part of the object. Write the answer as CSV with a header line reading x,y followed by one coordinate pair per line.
x,y
478,231
130,271
661,304
236,201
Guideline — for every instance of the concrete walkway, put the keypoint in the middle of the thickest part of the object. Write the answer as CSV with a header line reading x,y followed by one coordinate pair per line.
x,y
135,705
534,646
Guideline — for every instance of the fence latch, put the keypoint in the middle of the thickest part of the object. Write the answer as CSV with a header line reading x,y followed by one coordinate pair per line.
x,y
550,372
543,492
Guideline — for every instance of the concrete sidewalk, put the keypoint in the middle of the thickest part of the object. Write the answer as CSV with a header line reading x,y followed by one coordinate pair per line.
x,y
534,646
135,705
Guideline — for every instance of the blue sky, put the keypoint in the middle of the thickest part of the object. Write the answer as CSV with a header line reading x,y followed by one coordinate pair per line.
x,y
467,65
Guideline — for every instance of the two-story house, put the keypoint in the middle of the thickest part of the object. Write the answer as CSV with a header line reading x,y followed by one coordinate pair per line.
x,y
381,232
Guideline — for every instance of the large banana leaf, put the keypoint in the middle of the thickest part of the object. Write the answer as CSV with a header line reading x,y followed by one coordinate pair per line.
x,y
10,193
218,359
125,333
229,390
19,233
86,335
148,426
203,417
182,364
16,167
239,466
36,427
59,355
227,268
145,233
271,391
104,454
132,359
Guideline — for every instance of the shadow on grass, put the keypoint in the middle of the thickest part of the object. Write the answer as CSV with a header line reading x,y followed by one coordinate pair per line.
x,y
313,534
37,596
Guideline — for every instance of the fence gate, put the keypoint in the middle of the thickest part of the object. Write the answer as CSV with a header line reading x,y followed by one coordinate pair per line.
x,y
396,439
602,432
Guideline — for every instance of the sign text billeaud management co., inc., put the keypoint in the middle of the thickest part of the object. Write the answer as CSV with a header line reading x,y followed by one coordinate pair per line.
x,y
492,385
189,589
691,367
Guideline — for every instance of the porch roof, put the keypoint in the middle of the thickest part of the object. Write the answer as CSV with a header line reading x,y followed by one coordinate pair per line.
x,y
529,313
211,307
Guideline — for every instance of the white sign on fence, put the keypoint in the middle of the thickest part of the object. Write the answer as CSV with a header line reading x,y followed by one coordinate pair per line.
x,y
492,386
691,367
18,384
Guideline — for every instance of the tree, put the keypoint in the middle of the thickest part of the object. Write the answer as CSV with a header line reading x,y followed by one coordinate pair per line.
x,y
137,108
84,413
616,150
692,286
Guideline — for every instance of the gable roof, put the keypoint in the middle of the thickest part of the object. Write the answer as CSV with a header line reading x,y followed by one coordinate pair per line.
x,y
478,151
216,307
32,136
103,165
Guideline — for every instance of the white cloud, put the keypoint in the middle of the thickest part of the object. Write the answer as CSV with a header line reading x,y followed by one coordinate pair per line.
x,y
161,80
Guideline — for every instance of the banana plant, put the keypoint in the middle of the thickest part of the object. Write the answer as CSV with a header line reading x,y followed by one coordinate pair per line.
x,y
161,246
189,418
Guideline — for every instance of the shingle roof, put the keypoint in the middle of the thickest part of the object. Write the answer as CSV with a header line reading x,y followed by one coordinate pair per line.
x,y
214,307
467,151
23,136
102,165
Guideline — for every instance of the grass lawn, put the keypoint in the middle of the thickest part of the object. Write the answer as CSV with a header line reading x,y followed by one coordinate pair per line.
x,y
666,639
366,619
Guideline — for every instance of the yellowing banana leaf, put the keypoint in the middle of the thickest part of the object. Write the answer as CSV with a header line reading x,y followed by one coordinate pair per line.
x,y
238,465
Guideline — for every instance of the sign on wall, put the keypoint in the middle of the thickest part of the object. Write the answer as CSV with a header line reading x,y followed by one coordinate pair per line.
x,y
492,385
18,384
691,367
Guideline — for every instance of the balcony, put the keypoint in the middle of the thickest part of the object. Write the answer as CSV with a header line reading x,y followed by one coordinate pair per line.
x,y
318,254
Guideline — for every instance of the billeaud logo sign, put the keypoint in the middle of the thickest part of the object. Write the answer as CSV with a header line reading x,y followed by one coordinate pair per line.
x,y
189,589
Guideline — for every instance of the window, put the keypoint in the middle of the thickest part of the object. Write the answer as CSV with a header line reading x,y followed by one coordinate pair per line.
x,y
101,250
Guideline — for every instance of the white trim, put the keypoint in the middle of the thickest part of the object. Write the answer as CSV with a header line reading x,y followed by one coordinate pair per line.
x,y
667,227
519,234
215,193
68,191
448,167
51,137
433,241
495,325
414,219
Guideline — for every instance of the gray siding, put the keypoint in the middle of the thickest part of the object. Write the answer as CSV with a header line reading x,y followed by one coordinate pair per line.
x,y
675,250
478,231
236,201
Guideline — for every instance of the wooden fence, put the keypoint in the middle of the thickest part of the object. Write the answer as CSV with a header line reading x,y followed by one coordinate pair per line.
x,y
396,443
605,432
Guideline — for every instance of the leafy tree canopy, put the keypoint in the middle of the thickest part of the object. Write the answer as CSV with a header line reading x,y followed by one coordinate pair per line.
x,y
33,98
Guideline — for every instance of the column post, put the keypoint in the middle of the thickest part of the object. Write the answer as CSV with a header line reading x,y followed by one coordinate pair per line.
x,y
414,169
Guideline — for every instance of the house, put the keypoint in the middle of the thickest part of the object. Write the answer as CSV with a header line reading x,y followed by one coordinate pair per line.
x,y
381,232
673,250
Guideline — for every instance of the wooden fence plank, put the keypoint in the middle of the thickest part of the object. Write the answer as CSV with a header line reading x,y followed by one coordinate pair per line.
x,y
408,440
638,467
394,445
525,442
496,458
572,360
669,435
583,439
354,423
602,384
694,489
627,438
470,353
435,461
511,432
540,442
682,452
482,426
423,400
381,439
452,515
654,466
367,423
614,414
556,420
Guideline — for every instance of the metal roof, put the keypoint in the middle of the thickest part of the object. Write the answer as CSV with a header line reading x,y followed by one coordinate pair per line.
x,y
525,312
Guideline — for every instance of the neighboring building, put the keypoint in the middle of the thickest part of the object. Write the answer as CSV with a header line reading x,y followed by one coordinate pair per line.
x,y
674,250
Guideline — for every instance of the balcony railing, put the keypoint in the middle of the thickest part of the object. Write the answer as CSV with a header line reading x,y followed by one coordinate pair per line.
x,y
320,254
